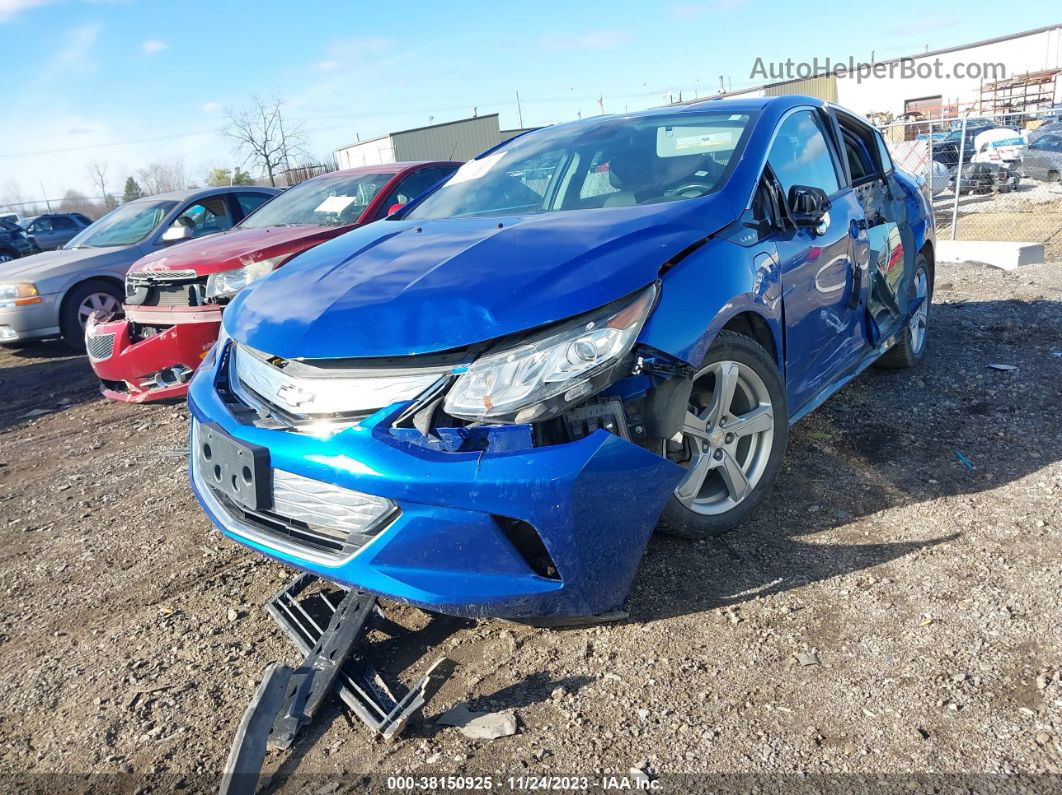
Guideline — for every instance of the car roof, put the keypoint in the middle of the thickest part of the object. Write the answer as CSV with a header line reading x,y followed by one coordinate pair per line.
x,y
387,168
197,193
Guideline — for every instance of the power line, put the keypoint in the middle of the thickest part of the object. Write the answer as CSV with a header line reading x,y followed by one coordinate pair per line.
x,y
327,117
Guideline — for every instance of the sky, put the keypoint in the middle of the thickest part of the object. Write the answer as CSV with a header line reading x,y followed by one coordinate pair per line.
x,y
124,82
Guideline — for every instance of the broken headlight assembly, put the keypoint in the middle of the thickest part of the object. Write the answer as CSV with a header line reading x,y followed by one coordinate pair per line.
x,y
227,283
544,375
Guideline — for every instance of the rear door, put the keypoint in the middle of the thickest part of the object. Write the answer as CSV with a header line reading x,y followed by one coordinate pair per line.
x,y
821,288
44,233
891,255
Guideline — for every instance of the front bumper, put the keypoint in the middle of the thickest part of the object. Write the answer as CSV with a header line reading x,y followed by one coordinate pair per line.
x,y
130,370
19,323
593,504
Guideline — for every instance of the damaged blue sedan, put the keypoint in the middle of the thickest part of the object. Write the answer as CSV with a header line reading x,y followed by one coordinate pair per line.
x,y
486,404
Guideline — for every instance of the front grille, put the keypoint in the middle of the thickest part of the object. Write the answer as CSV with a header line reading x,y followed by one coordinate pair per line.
x,y
100,347
299,392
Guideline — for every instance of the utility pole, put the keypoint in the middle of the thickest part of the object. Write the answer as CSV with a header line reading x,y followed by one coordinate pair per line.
x,y
45,194
519,111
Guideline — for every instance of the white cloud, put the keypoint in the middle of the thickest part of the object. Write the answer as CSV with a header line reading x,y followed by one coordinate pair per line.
x,y
328,66
591,40
153,46
10,8
211,107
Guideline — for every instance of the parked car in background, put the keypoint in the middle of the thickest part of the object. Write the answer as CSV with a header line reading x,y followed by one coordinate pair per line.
x,y
999,145
1053,127
1043,158
499,391
948,149
12,218
14,243
55,230
174,298
54,293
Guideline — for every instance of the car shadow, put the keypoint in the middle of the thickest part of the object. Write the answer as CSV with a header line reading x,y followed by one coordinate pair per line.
x,y
889,439
43,377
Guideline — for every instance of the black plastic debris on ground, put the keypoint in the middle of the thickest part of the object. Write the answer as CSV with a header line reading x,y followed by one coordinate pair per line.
x,y
327,626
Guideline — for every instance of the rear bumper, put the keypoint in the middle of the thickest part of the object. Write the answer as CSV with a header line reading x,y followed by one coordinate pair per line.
x,y
593,504
140,372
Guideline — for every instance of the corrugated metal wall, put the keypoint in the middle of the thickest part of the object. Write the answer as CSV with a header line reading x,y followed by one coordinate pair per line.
x,y
459,140
367,153
824,88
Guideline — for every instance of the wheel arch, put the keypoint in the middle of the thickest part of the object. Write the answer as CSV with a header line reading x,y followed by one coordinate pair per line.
x,y
102,277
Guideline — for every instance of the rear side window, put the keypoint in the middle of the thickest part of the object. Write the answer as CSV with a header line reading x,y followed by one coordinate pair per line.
x,y
801,155
249,202
883,153
64,224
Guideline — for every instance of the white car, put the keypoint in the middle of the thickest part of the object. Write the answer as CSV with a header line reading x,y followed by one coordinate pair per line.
x,y
1001,146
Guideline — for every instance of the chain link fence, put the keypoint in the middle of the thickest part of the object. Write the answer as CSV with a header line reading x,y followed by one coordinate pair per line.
x,y
994,176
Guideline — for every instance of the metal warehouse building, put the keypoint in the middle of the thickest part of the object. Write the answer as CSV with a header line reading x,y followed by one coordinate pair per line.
x,y
456,140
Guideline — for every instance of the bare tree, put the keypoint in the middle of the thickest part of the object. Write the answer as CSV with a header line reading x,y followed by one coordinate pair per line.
x,y
76,202
98,174
263,137
162,176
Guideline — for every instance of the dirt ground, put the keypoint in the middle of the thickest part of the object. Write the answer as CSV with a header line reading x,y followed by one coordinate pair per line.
x,y
132,635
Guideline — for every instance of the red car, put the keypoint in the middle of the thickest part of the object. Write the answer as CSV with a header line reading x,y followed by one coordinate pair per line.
x,y
174,298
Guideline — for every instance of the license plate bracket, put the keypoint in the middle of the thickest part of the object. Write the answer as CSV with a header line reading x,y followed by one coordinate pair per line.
x,y
237,469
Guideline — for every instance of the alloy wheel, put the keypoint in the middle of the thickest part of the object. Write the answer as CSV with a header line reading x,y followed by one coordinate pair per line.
x,y
6,258
96,302
726,438
920,319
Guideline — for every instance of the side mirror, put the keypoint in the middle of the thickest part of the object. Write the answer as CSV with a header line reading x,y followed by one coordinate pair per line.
x,y
177,232
394,208
809,206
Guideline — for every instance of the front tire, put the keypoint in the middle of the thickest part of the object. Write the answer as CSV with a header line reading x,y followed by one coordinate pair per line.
x,y
733,440
80,304
911,346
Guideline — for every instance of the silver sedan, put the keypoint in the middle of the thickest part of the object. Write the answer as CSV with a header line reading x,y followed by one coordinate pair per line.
x,y
54,293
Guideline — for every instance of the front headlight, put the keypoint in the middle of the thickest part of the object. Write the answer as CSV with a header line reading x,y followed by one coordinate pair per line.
x,y
228,283
541,377
18,294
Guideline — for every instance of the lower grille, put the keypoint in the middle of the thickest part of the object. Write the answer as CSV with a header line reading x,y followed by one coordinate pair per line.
x,y
100,347
310,518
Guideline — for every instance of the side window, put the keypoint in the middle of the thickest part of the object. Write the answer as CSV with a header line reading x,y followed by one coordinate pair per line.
x,y
249,202
800,154
415,184
207,217
597,181
64,224
883,153
42,225
853,152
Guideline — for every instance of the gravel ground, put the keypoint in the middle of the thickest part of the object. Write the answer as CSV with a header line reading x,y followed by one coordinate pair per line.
x,y
926,596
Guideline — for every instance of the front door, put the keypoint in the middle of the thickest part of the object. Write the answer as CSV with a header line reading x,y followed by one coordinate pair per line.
x,y
820,285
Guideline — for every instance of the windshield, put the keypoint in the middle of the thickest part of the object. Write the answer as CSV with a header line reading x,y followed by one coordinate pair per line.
x,y
614,162
324,201
124,226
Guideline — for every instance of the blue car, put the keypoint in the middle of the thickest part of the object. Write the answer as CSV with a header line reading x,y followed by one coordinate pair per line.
x,y
485,405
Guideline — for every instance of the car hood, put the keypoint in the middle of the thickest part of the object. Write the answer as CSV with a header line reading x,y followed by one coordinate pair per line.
x,y
398,288
39,267
234,249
